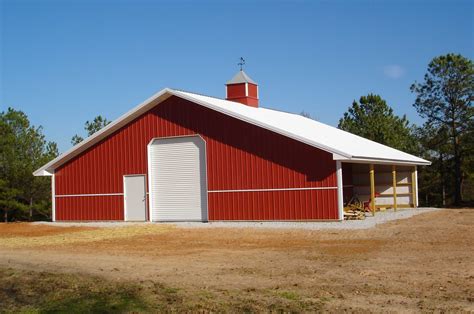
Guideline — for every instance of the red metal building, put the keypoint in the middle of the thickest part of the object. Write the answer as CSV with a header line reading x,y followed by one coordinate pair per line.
x,y
183,156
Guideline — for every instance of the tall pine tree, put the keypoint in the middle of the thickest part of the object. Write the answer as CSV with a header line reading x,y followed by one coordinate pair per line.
x,y
444,99
24,149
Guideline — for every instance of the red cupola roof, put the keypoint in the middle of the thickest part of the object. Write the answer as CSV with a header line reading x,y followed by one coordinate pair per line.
x,y
241,88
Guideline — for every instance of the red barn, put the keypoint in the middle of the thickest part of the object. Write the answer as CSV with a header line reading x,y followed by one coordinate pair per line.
x,y
184,156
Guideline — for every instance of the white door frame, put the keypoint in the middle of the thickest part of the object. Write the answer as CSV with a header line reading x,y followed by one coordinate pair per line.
x,y
125,193
150,193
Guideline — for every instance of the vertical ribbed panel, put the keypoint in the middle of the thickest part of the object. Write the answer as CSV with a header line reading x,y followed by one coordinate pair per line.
x,y
239,156
89,208
273,205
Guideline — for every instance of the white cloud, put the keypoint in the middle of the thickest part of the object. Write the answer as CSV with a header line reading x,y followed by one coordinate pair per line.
x,y
393,71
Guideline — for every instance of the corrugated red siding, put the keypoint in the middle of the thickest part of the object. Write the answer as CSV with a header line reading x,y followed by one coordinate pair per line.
x,y
269,205
240,156
252,88
89,208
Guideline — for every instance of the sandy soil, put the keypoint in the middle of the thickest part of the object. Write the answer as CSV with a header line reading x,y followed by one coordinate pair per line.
x,y
421,263
21,229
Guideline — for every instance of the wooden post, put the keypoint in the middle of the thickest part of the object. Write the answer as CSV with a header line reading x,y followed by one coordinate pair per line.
x,y
372,189
394,183
413,187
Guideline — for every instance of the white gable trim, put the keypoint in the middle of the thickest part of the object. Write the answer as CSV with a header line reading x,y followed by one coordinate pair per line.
x,y
99,135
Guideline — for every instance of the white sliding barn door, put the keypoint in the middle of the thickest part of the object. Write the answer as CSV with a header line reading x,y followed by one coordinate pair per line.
x,y
178,183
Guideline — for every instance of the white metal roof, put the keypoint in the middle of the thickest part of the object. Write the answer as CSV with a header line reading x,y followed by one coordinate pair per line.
x,y
241,77
343,145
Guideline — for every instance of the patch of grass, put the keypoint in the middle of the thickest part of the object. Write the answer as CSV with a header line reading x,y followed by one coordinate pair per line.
x,y
290,295
40,292
205,294
44,292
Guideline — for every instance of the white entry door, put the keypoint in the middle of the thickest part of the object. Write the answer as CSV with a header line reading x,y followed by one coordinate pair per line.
x,y
178,183
134,193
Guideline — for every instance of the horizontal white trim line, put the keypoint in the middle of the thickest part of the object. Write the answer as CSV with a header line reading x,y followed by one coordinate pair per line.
x,y
275,190
81,195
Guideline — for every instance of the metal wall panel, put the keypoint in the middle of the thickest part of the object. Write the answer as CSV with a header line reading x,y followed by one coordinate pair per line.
x,y
274,205
240,156
89,208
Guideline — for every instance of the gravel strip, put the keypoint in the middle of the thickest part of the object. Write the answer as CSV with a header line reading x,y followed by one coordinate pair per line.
x,y
369,222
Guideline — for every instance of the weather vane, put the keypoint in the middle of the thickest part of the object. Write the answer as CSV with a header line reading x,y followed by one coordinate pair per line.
x,y
241,63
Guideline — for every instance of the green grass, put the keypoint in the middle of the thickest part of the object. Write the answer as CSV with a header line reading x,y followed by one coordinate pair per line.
x,y
290,295
32,292
43,292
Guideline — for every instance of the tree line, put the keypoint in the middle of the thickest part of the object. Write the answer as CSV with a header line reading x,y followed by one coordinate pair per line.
x,y
446,138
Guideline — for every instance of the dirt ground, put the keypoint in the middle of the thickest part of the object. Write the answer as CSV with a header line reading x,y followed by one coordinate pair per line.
x,y
424,263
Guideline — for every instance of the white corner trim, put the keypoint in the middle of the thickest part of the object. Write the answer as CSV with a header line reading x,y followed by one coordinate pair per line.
x,y
416,185
53,198
246,89
123,199
340,195
148,172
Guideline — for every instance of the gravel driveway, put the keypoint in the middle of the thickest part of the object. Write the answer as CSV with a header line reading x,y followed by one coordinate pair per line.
x,y
369,222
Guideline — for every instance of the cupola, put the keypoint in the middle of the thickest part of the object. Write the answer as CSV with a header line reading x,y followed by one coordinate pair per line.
x,y
241,88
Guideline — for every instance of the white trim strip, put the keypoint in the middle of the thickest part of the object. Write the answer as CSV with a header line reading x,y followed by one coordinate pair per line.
x,y
275,190
81,195
416,186
53,198
340,194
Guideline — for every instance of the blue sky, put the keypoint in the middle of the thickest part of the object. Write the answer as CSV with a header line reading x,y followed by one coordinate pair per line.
x,y
64,62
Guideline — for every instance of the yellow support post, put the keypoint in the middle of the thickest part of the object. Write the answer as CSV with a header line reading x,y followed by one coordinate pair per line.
x,y
372,189
413,187
394,182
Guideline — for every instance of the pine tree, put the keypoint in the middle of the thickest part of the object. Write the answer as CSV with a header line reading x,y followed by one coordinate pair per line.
x,y
373,119
444,99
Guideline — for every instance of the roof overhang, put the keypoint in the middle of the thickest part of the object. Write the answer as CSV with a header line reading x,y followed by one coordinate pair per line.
x,y
380,161
49,168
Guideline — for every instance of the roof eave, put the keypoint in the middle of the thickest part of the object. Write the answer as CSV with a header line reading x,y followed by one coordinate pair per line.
x,y
382,161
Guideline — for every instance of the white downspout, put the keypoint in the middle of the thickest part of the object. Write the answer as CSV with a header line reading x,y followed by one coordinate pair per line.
x,y
340,200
